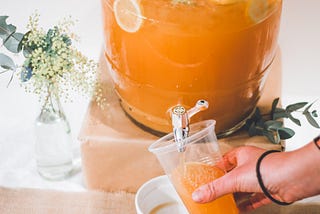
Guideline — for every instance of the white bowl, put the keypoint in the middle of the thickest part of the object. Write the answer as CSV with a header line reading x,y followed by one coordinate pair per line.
x,y
158,196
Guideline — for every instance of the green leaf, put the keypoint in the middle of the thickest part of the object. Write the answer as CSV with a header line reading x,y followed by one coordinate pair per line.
x,y
311,120
252,131
27,50
26,53
274,129
66,40
314,113
295,120
273,124
272,136
20,45
285,133
6,30
255,118
257,115
255,130
11,39
296,106
307,108
26,74
279,113
48,39
7,63
12,43
274,105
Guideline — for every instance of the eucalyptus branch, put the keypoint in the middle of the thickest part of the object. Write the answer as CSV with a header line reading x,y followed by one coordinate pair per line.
x,y
10,80
271,125
8,37
4,71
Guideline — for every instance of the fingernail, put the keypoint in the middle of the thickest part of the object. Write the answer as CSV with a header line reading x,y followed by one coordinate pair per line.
x,y
197,195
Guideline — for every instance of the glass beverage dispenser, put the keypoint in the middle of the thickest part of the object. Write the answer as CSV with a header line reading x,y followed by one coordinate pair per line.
x,y
168,52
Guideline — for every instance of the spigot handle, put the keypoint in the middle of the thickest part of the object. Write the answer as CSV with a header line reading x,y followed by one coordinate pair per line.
x,y
201,105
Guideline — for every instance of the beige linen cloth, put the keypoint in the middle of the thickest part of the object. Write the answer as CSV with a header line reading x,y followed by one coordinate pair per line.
x,y
36,201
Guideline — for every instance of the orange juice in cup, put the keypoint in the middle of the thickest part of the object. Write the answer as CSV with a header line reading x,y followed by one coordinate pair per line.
x,y
196,165
189,176
167,52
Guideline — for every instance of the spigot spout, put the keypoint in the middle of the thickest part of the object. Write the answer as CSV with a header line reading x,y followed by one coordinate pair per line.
x,y
180,122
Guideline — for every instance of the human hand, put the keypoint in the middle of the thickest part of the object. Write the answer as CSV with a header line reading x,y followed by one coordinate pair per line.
x,y
288,177
241,164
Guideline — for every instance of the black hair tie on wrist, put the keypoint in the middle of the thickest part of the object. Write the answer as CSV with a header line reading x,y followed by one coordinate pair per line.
x,y
316,140
264,189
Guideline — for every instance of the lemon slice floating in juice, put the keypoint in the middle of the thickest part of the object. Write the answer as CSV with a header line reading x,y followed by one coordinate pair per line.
x,y
128,15
257,9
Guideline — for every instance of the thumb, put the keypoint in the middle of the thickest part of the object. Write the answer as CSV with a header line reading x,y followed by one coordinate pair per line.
x,y
215,189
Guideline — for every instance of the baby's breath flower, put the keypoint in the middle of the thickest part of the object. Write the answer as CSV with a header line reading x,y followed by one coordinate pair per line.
x,y
53,60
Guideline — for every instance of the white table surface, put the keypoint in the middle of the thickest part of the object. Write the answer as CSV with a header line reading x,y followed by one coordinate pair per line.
x,y
299,41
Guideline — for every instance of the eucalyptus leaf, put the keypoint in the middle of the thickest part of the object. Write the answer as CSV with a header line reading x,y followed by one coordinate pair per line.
x,y
272,136
311,120
279,113
314,113
285,133
6,30
26,74
252,131
20,45
26,52
255,130
12,44
295,120
26,48
255,118
307,108
273,124
7,63
257,114
260,123
274,105
296,106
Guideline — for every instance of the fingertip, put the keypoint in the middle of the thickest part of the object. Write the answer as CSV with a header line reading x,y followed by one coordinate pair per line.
x,y
200,194
197,196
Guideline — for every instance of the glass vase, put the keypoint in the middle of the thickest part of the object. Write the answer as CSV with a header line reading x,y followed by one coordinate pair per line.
x,y
53,141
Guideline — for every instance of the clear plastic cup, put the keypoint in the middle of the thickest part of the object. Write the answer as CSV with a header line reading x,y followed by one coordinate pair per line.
x,y
197,165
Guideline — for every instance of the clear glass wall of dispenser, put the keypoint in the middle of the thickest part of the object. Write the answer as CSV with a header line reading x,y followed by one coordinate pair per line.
x,y
168,52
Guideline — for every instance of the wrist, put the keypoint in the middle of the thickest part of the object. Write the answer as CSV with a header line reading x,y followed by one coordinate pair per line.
x,y
273,172
260,180
291,176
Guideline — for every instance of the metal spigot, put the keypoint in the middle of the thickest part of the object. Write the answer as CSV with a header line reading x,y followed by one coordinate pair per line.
x,y
180,121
